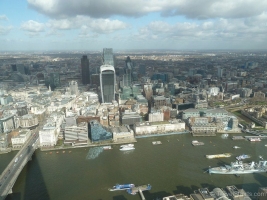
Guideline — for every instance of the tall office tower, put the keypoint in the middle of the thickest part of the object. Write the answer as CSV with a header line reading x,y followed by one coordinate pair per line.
x,y
107,83
127,77
85,70
220,72
54,79
108,58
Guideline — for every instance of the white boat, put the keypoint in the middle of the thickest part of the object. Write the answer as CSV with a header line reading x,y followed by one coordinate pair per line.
x,y
127,145
107,147
156,142
236,147
225,135
127,148
197,143
223,155
254,139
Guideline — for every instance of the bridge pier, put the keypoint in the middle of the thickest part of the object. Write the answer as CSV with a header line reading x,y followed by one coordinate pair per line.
x,y
10,191
141,194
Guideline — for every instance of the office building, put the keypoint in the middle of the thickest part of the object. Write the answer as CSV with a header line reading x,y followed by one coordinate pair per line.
x,y
107,83
54,79
220,72
98,133
127,77
73,87
85,70
108,58
142,70
19,139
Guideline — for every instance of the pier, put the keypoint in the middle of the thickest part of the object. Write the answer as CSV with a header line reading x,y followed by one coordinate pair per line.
x,y
139,189
141,194
238,138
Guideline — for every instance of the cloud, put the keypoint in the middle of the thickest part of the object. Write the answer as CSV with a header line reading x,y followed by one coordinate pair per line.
x,y
5,30
87,24
3,17
228,30
32,27
200,9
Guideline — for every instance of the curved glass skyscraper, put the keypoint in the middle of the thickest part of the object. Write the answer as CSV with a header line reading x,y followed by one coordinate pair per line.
x,y
107,83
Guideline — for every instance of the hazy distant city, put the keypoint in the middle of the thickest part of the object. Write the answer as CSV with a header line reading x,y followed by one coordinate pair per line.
x,y
109,99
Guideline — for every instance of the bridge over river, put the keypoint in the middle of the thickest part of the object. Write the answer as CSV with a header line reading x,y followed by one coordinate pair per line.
x,y
12,171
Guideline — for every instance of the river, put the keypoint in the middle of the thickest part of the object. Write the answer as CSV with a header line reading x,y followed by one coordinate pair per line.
x,y
173,167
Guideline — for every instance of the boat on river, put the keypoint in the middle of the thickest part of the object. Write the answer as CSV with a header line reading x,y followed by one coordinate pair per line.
x,y
254,139
242,157
127,147
236,147
121,187
197,143
238,167
107,147
223,155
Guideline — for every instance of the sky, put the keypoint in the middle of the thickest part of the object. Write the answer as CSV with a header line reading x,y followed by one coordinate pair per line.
x,y
27,25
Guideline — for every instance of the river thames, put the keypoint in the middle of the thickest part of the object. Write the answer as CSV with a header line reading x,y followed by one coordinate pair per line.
x,y
173,167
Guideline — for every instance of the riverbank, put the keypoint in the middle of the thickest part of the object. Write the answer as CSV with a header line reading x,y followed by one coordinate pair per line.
x,y
105,143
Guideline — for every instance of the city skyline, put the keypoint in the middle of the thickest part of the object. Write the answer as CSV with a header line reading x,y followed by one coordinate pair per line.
x,y
153,24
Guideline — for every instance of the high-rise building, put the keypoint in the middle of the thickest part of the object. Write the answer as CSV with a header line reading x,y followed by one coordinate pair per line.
x,y
220,72
85,70
127,77
107,83
54,79
108,58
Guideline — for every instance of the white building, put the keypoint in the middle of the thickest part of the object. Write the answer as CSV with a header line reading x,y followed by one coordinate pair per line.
x,y
156,116
160,128
28,121
214,91
51,130
19,140
48,137
122,133
73,87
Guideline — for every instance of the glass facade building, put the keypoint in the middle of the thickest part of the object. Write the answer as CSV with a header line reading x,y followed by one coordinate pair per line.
x,y
108,58
107,83
98,133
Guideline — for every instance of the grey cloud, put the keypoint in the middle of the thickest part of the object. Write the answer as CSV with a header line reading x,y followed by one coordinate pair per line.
x,y
197,9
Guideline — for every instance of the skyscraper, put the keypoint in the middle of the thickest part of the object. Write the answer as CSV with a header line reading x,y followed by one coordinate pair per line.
x,y
127,77
85,70
108,58
220,72
107,83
